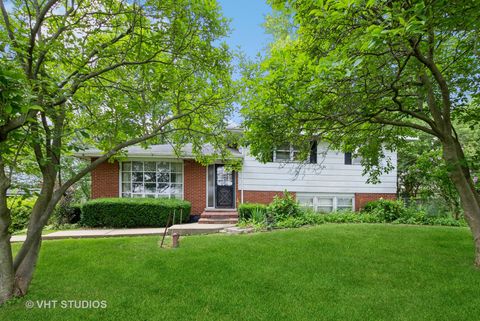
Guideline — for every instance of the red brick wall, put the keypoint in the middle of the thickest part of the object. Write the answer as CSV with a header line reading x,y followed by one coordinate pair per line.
x,y
363,198
264,197
195,185
105,180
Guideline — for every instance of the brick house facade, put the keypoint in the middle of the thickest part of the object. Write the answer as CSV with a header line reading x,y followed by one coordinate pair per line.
x,y
105,184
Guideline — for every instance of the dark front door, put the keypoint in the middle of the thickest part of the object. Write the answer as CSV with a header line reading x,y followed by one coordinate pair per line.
x,y
224,187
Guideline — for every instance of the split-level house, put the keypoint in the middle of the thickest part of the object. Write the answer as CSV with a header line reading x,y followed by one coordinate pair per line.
x,y
330,181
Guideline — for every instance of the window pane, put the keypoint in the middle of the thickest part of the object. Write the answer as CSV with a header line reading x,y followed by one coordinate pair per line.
x,y
137,177
224,178
324,201
150,195
137,195
176,189
150,187
324,209
126,177
163,196
163,167
150,177
162,188
150,167
137,187
177,178
126,195
344,201
177,167
163,177
305,201
282,155
126,187
126,166
211,185
177,196
137,166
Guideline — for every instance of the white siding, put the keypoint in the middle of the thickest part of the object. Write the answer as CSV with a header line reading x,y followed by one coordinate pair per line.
x,y
330,175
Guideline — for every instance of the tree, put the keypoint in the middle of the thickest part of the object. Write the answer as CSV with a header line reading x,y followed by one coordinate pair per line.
x,y
105,74
364,75
422,175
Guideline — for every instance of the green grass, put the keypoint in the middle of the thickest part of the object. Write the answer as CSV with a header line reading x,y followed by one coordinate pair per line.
x,y
329,272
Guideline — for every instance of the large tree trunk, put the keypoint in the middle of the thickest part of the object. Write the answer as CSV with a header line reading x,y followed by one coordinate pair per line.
x,y
6,269
27,257
24,272
6,261
470,200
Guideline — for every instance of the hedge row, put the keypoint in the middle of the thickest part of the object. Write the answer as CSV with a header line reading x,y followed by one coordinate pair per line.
x,y
133,212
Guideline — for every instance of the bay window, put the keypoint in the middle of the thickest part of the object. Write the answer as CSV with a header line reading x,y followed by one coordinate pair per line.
x,y
151,179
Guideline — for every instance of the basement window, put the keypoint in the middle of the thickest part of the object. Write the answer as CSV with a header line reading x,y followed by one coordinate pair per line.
x,y
326,203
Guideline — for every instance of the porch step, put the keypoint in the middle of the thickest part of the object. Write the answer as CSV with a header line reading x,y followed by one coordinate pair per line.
x,y
219,217
218,220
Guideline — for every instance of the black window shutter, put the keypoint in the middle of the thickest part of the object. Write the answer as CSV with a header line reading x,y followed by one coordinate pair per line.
x,y
313,152
348,158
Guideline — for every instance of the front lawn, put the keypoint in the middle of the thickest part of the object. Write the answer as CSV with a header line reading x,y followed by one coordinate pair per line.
x,y
328,272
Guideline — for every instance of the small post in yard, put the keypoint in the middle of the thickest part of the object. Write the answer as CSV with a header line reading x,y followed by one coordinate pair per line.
x,y
166,227
175,240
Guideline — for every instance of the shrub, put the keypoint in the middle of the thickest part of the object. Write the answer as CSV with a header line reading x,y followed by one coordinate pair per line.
x,y
283,207
20,209
67,210
386,210
245,210
292,222
133,212
67,213
258,215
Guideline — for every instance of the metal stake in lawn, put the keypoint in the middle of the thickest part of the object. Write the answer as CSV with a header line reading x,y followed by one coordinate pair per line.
x,y
166,227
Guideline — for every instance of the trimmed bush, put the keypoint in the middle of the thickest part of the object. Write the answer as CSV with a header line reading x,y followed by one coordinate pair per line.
x,y
245,210
133,212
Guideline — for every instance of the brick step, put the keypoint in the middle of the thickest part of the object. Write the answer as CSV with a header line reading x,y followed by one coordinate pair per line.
x,y
219,215
218,220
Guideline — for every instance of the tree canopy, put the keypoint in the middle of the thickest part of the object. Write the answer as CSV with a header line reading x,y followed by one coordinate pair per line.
x,y
366,75
105,74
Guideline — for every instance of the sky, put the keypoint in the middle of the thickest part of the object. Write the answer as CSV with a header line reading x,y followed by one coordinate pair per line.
x,y
246,17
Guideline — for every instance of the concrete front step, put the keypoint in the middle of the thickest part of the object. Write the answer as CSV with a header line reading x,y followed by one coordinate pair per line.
x,y
218,220
219,215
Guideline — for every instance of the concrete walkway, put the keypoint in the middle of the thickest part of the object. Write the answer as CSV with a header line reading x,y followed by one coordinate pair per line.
x,y
182,229
196,228
94,233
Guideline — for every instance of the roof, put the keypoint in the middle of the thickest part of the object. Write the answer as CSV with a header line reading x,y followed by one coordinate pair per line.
x,y
164,151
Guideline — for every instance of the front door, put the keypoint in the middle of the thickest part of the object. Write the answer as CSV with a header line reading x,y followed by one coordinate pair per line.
x,y
224,187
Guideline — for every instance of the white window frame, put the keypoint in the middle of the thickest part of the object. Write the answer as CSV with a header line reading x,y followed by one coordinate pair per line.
x,y
316,197
291,159
157,195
